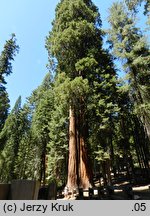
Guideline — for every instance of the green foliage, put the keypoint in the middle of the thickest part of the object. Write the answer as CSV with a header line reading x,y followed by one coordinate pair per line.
x,y
4,107
133,4
102,155
25,135
40,105
131,47
73,35
6,57
9,141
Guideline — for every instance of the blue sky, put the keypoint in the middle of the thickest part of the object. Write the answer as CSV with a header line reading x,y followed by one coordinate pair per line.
x,y
31,21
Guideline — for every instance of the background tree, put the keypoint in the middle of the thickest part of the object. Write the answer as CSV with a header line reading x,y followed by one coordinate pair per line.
x,y
25,135
33,146
9,140
7,56
40,122
130,46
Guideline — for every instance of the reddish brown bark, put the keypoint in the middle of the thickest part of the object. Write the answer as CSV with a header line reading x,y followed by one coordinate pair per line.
x,y
72,163
84,168
85,171
79,172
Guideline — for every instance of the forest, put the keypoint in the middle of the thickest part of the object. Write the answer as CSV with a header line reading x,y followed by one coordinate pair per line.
x,y
86,124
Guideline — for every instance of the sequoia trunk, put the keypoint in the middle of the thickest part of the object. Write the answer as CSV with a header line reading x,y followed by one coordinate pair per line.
x,y
72,163
85,171
79,172
85,175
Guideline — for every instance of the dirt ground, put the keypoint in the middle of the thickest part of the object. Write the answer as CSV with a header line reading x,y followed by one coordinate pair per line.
x,y
143,192
138,193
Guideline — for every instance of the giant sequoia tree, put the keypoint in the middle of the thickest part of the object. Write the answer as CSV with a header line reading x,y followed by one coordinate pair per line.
x,y
75,45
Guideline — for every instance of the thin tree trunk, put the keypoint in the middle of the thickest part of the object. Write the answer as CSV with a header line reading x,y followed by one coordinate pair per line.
x,y
108,171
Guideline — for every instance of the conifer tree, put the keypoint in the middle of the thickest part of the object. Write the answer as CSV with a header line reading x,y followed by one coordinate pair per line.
x,y
32,152
75,44
40,128
6,57
9,141
129,45
23,162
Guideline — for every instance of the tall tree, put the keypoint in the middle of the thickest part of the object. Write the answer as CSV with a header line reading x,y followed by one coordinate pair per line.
x,y
33,150
75,44
24,166
130,46
40,128
6,57
9,141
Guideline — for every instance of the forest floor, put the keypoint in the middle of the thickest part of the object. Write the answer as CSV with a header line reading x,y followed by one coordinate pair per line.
x,y
138,193
142,191
124,190
119,191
